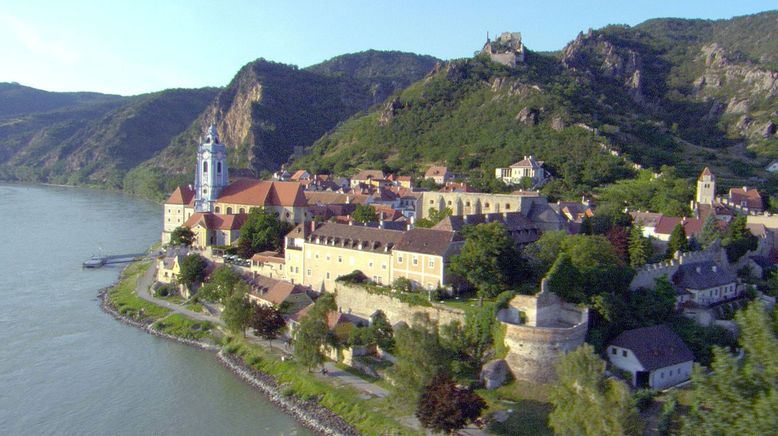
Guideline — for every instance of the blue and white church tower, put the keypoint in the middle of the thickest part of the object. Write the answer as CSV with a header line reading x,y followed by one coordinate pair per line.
x,y
211,173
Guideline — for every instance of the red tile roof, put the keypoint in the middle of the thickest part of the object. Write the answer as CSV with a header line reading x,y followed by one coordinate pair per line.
x,y
263,193
213,221
369,174
748,195
707,172
666,224
182,195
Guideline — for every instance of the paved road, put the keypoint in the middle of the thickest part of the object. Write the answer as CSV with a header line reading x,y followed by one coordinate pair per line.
x,y
143,289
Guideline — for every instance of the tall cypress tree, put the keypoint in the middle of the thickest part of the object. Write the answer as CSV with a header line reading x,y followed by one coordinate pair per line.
x,y
678,241
639,247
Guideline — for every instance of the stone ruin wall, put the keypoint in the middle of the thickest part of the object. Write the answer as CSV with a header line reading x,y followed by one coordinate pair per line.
x,y
534,350
357,301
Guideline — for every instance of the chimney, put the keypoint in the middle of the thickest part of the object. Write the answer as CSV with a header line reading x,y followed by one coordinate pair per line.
x,y
313,226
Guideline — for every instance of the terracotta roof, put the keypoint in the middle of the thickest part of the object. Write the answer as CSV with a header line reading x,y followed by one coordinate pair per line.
x,y
428,241
214,221
717,209
325,197
748,195
298,175
268,256
369,174
436,171
404,178
707,172
456,187
338,318
263,193
655,347
666,224
272,290
182,195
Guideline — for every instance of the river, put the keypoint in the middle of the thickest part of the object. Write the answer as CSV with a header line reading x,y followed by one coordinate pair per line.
x,y
66,367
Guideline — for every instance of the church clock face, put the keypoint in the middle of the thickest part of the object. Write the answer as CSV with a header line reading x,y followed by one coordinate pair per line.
x,y
206,155
220,155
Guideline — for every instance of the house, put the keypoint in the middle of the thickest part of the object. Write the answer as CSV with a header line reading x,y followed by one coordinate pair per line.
x,y
705,283
773,166
526,169
300,175
178,208
269,264
666,224
215,229
287,199
422,256
438,174
369,177
655,357
168,268
522,229
647,220
746,198
286,296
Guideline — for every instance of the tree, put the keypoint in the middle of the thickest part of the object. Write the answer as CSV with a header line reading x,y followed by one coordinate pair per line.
x,y
220,285
738,240
364,214
312,333
182,236
678,241
193,269
585,402
402,284
739,396
489,260
382,330
619,238
565,280
640,249
434,216
420,355
266,321
710,231
237,310
445,407
262,231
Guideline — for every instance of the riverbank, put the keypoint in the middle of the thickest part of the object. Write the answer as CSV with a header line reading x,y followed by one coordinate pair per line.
x,y
139,314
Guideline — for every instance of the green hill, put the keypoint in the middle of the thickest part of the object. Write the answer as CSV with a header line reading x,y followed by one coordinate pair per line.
x,y
687,93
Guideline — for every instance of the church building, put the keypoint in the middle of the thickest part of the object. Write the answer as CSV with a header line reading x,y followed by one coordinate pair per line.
x,y
216,205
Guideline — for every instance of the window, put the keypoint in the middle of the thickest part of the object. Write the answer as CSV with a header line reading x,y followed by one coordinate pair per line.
x,y
507,206
624,353
370,264
308,272
431,263
340,259
287,214
614,351
328,275
217,209
229,211
168,211
218,167
399,259
415,260
328,257
205,166
316,255
383,266
242,210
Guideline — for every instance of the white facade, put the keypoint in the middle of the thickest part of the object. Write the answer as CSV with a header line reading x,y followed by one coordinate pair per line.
x,y
211,174
526,168
706,297
660,378
706,187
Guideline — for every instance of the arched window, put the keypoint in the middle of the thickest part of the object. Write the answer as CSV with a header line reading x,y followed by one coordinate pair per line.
x,y
217,209
229,211
218,167
242,210
205,166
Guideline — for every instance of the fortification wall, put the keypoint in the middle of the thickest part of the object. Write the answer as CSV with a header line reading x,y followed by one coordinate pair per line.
x,y
534,350
356,300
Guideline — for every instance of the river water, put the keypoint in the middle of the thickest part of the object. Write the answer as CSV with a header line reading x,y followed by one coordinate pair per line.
x,y
66,367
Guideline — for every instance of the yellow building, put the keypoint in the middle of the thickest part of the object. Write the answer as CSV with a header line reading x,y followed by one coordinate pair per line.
x,y
268,264
168,268
286,199
178,208
422,256
215,229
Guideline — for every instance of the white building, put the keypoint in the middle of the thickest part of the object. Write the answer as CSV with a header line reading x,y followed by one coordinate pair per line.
x,y
528,167
211,172
773,166
705,283
655,356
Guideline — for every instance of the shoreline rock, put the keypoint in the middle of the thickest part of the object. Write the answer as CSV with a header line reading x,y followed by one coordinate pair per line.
x,y
309,414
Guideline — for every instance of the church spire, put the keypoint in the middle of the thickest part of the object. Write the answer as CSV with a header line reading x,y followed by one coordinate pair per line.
x,y
212,137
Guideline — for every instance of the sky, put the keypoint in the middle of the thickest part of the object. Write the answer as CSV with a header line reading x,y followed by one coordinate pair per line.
x,y
139,46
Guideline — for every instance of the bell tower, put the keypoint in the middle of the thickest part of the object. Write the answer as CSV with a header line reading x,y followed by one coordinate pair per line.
x,y
706,187
211,172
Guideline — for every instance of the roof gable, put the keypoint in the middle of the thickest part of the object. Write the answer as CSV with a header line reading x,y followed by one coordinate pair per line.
x,y
655,347
182,195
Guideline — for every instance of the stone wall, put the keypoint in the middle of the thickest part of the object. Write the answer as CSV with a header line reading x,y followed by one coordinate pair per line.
x,y
356,300
534,350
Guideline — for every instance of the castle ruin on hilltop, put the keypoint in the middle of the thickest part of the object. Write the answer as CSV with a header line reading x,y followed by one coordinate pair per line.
x,y
507,49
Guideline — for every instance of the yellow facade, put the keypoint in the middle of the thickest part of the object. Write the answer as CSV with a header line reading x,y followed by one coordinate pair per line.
x,y
175,215
290,214
322,264
167,272
425,271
